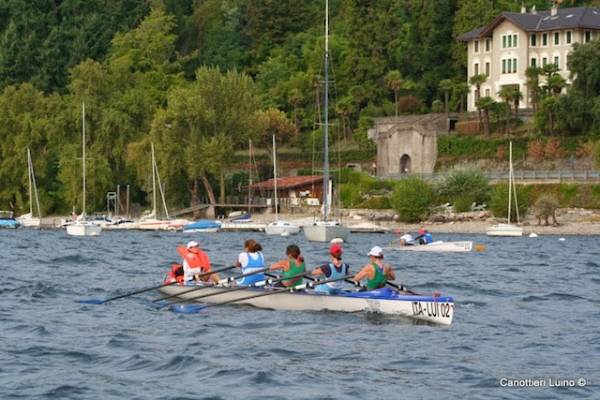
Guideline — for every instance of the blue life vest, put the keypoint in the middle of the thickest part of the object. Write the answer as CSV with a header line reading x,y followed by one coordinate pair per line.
x,y
254,263
333,287
428,238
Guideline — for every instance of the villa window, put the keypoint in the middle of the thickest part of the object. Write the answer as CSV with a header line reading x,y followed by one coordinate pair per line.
x,y
476,45
509,41
568,37
487,92
514,66
476,68
503,66
504,41
556,38
544,61
556,61
588,36
508,66
487,44
533,40
487,69
544,39
515,40
533,62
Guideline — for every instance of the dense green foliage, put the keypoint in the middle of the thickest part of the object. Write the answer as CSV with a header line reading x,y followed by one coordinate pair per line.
x,y
200,78
462,188
412,199
498,203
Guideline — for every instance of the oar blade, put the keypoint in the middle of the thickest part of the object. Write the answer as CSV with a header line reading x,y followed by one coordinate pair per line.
x,y
187,308
90,301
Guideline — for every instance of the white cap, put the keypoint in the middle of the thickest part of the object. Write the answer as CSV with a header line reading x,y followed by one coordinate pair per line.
x,y
192,243
376,252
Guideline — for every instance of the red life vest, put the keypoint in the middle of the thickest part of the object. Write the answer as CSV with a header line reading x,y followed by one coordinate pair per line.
x,y
175,274
197,260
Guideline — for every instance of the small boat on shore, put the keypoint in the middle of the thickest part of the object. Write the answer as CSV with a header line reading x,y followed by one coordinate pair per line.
x,y
202,225
437,247
7,220
437,310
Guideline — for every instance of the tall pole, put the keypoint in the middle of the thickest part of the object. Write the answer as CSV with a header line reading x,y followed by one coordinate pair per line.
x,y
30,188
83,145
249,174
326,119
510,178
275,178
127,201
153,182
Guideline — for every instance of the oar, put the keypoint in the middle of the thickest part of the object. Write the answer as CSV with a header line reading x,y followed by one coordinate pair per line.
x,y
400,287
199,307
311,278
222,281
99,301
234,289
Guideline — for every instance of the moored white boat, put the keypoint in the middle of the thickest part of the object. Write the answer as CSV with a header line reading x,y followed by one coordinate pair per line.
x,y
281,228
438,247
508,230
83,228
325,231
29,221
438,310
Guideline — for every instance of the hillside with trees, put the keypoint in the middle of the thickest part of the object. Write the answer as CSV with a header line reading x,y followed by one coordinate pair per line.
x,y
201,78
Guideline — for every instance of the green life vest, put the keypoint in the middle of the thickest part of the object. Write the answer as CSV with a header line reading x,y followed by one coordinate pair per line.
x,y
294,269
378,280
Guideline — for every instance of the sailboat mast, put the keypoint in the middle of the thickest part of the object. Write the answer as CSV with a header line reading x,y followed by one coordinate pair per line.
x,y
326,119
83,145
30,183
249,174
510,178
153,182
275,178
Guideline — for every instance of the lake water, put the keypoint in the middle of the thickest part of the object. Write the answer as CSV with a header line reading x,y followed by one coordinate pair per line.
x,y
525,308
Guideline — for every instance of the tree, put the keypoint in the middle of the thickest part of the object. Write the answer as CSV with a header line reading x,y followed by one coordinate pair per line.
x,y
446,85
273,122
555,84
533,85
394,82
412,198
486,104
477,81
459,93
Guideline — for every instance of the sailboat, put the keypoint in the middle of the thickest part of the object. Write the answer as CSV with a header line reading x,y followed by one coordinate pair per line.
x,y
279,227
28,220
151,221
508,229
326,229
83,227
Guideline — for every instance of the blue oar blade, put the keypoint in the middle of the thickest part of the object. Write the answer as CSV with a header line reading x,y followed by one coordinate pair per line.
x,y
187,308
90,301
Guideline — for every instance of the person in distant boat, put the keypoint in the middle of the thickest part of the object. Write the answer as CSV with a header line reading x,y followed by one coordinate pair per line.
x,y
334,269
195,262
376,273
290,266
424,237
407,240
250,260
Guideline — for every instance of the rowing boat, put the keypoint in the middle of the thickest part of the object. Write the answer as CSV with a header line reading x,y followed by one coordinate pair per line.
x,y
437,247
438,310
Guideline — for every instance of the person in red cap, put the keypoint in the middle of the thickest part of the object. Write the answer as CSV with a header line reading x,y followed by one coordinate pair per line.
x,y
424,237
334,269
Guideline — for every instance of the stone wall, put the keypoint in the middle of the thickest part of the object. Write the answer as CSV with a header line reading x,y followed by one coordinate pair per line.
x,y
407,144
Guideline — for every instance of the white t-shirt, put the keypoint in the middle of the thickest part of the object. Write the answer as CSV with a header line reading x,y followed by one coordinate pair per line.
x,y
407,238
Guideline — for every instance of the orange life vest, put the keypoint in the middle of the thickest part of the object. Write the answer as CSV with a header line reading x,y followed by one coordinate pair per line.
x,y
197,260
175,274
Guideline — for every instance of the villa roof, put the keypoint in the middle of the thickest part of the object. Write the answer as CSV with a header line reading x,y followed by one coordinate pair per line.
x,y
289,182
541,21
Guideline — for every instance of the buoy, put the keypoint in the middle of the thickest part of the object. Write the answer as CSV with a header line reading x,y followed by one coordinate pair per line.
x,y
562,239
533,235
337,241
480,247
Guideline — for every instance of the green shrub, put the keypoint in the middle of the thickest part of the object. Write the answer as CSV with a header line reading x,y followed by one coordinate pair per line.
x,y
568,192
465,186
376,203
499,201
412,199
350,195
597,154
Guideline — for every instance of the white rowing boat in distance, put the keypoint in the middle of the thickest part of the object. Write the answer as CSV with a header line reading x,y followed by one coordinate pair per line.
x,y
437,247
438,310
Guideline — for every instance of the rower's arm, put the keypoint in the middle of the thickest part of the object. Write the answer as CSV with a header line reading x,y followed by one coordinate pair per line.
x,y
389,273
283,264
317,272
364,273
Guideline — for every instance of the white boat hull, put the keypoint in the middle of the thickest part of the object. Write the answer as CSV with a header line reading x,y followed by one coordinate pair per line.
x,y
438,310
28,221
505,230
281,228
325,232
202,230
83,229
438,247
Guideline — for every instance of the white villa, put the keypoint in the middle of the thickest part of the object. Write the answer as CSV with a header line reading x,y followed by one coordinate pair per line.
x,y
514,41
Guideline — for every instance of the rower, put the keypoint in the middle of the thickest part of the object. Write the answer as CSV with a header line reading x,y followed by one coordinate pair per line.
x,y
195,262
424,237
293,265
332,270
250,260
376,272
407,240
